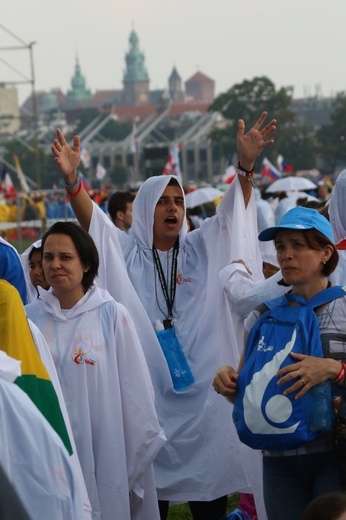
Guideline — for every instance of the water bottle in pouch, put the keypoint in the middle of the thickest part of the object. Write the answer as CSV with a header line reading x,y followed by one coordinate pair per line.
x,y
321,410
178,366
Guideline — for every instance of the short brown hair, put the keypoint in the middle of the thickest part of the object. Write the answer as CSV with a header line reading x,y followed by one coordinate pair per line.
x,y
317,241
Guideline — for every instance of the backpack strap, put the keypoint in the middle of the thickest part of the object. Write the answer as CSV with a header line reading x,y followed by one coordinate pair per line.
x,y
326,296
280,301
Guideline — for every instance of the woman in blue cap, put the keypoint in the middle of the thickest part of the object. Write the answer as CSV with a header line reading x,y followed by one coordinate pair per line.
x,y
307,256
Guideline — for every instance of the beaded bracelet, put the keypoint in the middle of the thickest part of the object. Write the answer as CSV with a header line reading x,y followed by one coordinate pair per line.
x,y
71,186
245,173
77,192
248,172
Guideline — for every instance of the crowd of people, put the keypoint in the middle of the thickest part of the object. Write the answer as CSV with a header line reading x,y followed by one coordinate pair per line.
x,y
138,315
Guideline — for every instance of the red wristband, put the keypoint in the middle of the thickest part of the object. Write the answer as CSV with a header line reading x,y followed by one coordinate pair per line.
x,y
341,375
77,192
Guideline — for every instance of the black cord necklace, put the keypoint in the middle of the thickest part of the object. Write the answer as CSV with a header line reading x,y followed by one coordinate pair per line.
x,y
169,297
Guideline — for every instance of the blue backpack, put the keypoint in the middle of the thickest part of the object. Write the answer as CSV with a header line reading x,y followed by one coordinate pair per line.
x,y
264,417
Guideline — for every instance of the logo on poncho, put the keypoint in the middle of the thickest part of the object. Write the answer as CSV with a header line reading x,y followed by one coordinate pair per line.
x,y
79,357
181,279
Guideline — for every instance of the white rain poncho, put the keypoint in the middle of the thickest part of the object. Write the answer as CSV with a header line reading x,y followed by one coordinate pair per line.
x,y
202,459
109,397
24,258
265,213
32,455
337,217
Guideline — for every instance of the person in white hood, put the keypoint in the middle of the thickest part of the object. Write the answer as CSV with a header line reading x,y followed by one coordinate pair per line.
x,y
337,216
103,376
32,455
175,275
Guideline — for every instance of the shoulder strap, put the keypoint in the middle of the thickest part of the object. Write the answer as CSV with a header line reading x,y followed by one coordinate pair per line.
x,y
328,295
280,301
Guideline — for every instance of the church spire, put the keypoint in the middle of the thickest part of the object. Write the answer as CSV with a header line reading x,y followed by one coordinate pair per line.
x,y
135,67
136,78
79,92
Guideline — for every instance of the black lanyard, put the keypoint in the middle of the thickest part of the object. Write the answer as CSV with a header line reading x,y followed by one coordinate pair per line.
x,y
168,322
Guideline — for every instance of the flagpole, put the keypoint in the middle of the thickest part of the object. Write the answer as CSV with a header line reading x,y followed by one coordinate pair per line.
x,y
136,165
34,109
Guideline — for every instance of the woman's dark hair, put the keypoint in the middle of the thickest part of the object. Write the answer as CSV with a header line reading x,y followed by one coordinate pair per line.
x,y
329,506
317,241
84,245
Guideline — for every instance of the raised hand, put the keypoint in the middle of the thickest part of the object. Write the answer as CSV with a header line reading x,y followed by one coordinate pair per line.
x,y
66,158
250,145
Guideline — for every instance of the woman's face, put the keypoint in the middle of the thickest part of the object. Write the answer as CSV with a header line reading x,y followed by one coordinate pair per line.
x,y
298,262
36,272
62,267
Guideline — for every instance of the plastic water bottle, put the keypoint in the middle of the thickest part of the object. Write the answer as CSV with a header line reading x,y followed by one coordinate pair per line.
x,y
321,411
178,366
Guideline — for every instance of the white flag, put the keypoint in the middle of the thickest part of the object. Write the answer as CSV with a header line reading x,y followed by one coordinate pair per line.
x,y
134,139
85,158
100,172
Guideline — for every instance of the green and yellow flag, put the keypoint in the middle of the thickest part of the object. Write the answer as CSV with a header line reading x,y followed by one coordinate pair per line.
x,y
16,340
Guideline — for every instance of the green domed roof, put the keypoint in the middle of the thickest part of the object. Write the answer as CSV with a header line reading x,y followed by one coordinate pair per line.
x,y
79,91
50,102
135,67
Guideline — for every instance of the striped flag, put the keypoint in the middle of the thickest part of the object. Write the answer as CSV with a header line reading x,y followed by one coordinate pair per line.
x,y
269,171
172,166
21,177
283,165
230,172
17,342
6,184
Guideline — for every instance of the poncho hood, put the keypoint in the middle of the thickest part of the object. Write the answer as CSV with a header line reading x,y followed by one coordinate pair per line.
x,y
337,208
91,300
143,210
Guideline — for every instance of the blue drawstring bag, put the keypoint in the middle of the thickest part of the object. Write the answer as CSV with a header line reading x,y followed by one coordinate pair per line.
x,y
238,514
265,418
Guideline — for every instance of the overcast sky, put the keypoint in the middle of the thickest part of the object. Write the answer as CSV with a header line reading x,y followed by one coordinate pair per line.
x,y
292,42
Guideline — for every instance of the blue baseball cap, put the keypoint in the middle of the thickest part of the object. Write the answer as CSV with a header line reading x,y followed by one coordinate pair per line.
x,y
300,218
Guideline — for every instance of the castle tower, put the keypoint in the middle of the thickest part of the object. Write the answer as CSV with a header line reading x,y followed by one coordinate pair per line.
x,y
79,93
175,86
136,79
200,88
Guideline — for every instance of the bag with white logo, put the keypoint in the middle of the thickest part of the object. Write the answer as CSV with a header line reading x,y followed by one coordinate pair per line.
x,y
264,417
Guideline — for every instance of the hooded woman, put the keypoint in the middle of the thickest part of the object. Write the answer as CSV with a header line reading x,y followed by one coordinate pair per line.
x,y
103,376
